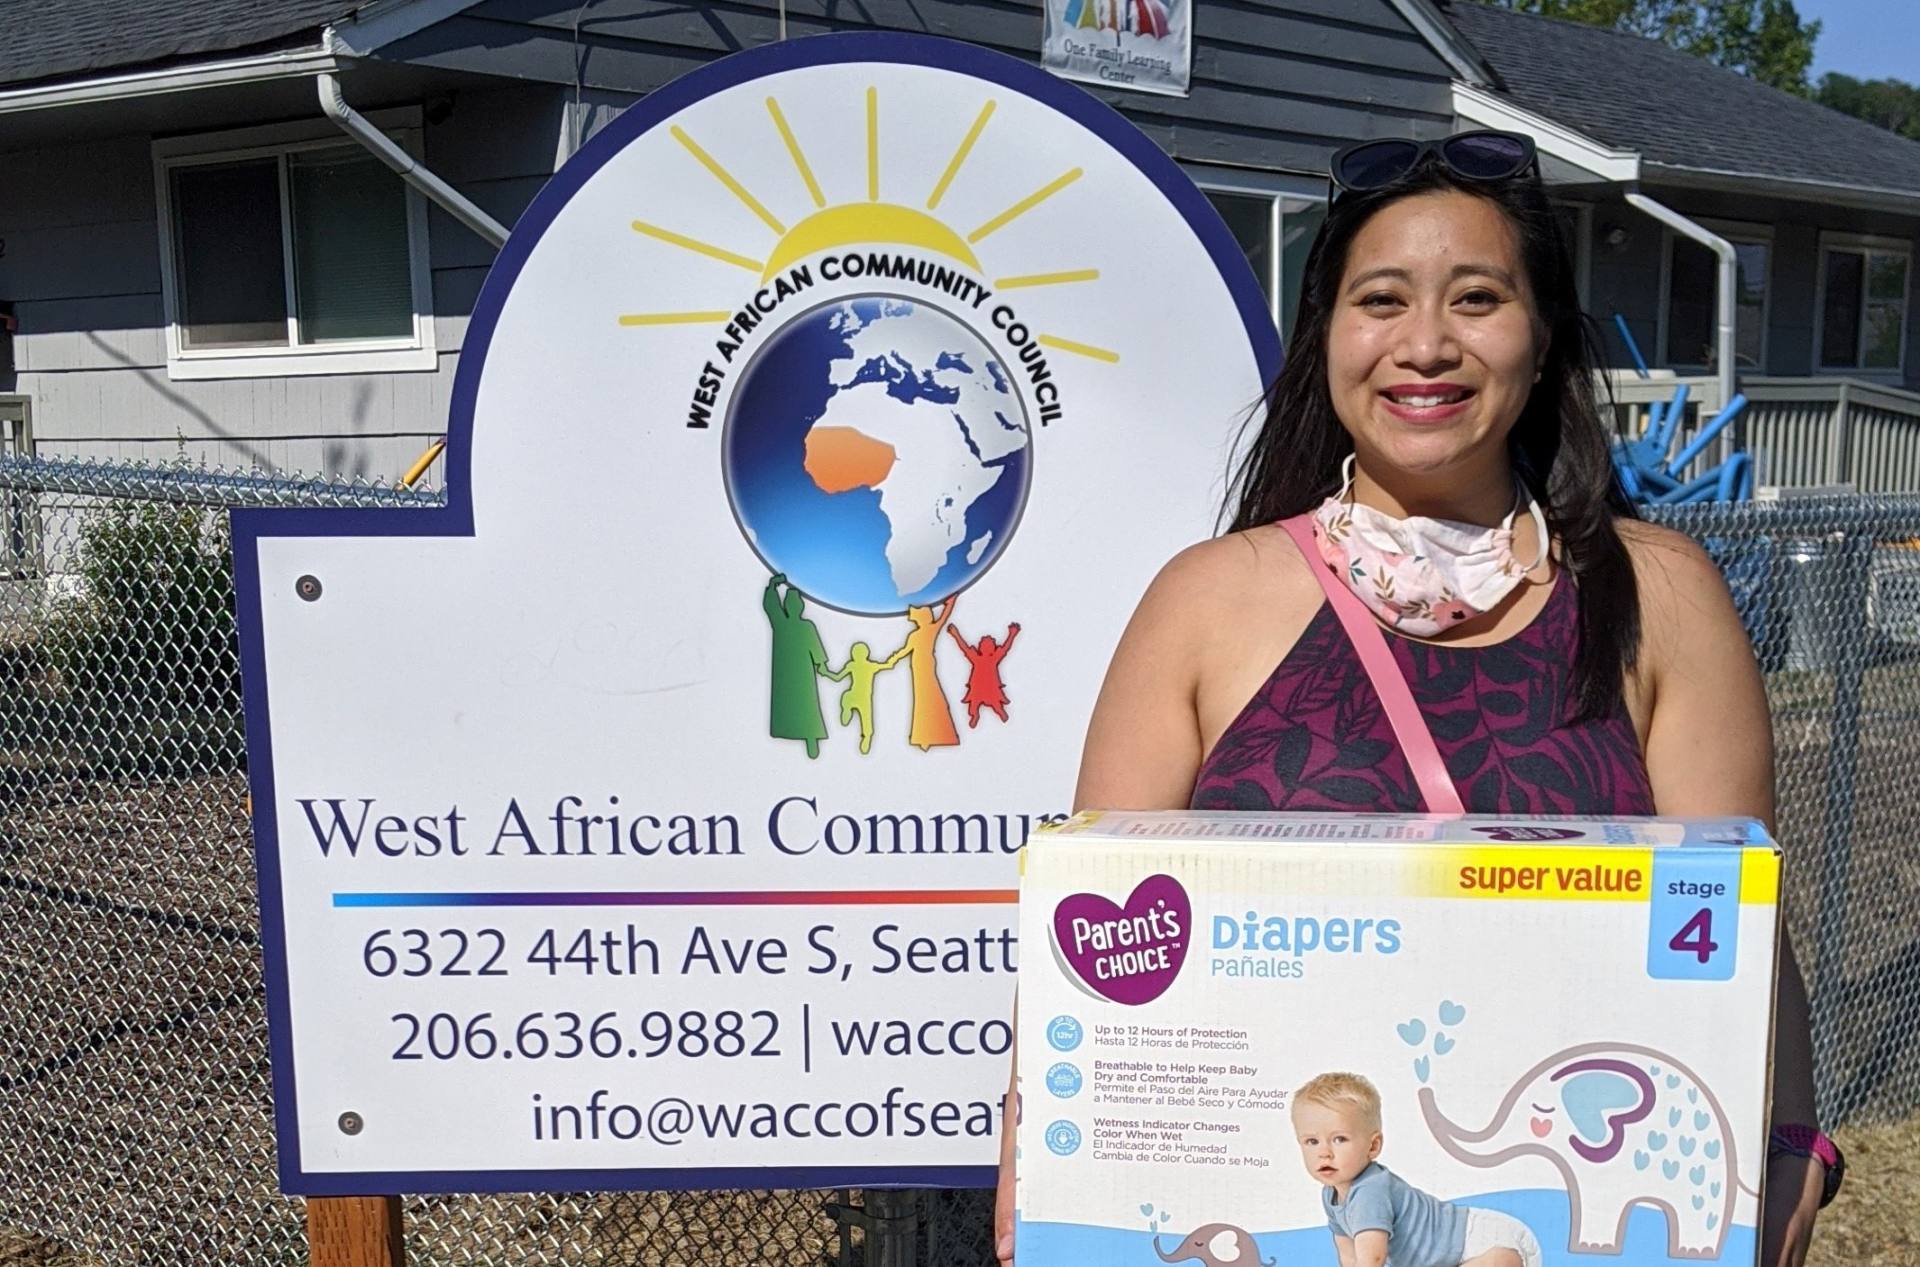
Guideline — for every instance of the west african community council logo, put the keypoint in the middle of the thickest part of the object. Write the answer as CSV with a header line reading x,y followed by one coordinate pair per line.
x,y
877,445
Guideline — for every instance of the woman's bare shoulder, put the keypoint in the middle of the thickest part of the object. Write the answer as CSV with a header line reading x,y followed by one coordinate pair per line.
x,y
1669,565
1223,571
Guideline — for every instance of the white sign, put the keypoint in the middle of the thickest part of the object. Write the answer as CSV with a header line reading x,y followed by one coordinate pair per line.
x,y
649,816
1145,45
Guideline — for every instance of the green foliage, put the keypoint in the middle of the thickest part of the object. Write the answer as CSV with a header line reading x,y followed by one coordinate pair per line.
x,y
141,667
1892,104
1764,39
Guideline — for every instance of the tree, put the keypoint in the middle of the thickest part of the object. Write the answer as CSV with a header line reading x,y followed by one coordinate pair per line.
x,y
1888,103
1763,39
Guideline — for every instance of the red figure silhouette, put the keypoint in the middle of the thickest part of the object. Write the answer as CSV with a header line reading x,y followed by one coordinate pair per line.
x,y
984,689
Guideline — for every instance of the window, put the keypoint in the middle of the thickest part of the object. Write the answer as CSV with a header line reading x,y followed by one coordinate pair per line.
x,y
1275,230
1863,304
1692,289
292,250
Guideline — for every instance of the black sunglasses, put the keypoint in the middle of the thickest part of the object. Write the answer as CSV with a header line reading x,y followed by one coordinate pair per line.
x,y
1485,155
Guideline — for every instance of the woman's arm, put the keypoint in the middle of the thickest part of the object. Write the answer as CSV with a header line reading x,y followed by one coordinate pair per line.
x,y
1143,742
1709,747
1142,752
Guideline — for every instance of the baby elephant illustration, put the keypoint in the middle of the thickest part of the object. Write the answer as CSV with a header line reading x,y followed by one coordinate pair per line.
x,y
1215,1245
1625,1126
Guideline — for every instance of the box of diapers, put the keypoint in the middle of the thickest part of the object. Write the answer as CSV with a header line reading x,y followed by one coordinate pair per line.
x,y
1505,1043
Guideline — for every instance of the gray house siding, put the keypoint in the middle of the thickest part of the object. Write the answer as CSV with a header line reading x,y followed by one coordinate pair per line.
x,y
82,265
1627,279
1275,86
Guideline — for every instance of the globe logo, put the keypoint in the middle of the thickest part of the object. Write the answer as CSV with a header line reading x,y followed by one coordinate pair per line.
x,y
876,454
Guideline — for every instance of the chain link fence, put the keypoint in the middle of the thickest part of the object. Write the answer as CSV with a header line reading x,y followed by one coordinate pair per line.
x,y
135,1118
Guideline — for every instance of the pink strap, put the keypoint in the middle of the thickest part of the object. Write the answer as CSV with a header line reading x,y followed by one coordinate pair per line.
x,y
1363,631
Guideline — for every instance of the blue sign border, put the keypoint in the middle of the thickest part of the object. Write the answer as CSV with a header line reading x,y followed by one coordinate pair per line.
x,y
455,519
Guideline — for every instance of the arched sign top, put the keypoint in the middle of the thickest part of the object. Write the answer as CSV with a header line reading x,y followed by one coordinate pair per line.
x,y
814,434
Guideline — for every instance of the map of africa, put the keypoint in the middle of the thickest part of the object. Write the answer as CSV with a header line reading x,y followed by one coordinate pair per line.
x,y
911,462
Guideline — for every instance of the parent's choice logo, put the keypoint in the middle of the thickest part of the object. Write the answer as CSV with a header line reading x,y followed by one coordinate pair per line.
x,y
879,389
1127,953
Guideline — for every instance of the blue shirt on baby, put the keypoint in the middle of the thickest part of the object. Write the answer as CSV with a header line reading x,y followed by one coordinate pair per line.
x,y
1422,1230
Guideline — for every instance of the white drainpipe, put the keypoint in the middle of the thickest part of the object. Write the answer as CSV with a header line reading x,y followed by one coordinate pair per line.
x,y
1729,280
455,203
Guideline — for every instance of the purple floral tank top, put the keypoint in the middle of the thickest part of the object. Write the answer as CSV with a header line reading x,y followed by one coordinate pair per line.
x,y
1315,737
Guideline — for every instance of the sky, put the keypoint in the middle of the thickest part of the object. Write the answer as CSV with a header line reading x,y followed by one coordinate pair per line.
x,y
1868,39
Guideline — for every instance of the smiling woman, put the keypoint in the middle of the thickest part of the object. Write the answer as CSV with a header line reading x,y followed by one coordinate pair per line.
x,y
1433,448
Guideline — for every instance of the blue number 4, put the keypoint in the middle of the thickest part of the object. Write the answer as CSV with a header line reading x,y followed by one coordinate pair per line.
x,y
1696,935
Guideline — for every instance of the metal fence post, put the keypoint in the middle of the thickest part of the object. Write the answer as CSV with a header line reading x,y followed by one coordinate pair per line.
x,y
1847,594
355,1232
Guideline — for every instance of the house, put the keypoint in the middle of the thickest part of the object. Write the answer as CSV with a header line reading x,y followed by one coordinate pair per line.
x,y
202,253
1821,212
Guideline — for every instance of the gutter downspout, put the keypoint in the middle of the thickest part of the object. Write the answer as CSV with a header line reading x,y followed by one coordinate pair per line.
x,y
1729,280
382,146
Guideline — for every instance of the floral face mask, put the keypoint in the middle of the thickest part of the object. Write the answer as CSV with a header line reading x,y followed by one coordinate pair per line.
x,y
1420,575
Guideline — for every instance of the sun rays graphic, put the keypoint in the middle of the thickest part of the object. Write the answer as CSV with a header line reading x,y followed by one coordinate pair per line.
x,y
867,222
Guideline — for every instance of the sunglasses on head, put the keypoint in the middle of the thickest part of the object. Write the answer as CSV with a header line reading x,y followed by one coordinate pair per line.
x,y
1484,155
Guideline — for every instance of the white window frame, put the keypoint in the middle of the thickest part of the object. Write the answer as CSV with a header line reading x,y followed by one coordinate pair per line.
x,y
1738,233
413,353
1582,247
1858,244
1272,186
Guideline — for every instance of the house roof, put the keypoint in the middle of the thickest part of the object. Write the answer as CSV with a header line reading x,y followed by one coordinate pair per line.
x,y
1677,111
54,39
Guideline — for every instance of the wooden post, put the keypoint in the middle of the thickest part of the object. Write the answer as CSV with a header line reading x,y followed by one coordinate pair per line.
x,y
355,1232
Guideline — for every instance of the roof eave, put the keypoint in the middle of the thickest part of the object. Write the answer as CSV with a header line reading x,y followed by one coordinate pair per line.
x,y
1445,39
386,21
1491,110
124,85
1904,201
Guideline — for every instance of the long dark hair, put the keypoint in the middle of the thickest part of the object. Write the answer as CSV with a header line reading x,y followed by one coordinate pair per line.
x,y
1559,446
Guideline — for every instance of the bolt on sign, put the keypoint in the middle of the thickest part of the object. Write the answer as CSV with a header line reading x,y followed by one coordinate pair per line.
x,y
650,814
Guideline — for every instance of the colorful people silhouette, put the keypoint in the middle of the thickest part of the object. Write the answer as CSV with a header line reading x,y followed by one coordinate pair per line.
x,y
984,689
932,717
798,657
858,673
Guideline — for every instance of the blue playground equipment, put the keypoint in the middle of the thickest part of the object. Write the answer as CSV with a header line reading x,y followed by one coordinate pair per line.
x,y
1652,478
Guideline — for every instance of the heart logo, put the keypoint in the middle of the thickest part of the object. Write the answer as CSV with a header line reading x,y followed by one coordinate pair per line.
x,y
1441,1044
1697,1176
1686,1145
1673,1116
1451,1013
1699,1202
1673,1080
1411,1032
1420,1069
1671,1169
1693,1095
1656,1141
1128,954
1701,1119
1712,1150
1640,1160
1541,1126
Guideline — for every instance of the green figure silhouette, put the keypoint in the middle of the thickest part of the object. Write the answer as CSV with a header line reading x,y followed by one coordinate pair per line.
x,y
857,700
798,657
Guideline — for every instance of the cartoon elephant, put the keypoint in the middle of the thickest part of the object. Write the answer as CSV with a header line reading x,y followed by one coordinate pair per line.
x,y
1215,1245
1625,1126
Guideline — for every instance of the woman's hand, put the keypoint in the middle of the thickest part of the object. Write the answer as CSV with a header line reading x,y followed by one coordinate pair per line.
x,y
1003,1190
1793,1202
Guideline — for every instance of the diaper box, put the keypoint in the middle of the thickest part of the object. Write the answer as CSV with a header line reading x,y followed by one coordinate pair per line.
x,y
1249,1040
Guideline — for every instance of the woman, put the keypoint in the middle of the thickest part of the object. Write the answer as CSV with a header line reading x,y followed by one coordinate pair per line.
x,y
1567,658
